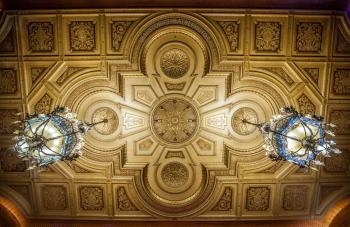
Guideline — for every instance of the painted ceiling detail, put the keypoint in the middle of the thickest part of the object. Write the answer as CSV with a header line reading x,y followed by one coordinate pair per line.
x,y
174,86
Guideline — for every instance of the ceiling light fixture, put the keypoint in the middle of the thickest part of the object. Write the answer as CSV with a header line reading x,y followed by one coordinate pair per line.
x,y
44,139
297,138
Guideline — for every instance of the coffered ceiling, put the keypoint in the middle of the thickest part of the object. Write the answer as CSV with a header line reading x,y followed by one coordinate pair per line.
x,y
174,85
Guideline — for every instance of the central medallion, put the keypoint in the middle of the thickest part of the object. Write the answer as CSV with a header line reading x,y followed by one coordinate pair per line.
x,y
174,120
175,63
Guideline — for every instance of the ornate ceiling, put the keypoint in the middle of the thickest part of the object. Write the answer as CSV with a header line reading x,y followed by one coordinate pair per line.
x,y
174,85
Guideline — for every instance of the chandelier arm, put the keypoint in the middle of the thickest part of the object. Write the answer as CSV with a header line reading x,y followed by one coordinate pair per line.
x,y
90,125
255,124
57,137
294,152
270,130
289,137
303,124
47,122
44,122
30,128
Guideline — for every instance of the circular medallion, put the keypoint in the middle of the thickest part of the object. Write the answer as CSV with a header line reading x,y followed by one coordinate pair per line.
x,y
174,63
241,114
105,113
174,175
174,120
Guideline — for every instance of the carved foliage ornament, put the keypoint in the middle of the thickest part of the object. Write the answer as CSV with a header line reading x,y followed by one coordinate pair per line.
x,y
118,30
174,174
267,36
9,162
341,85
40,36
281,73
7,116
175,87
124,203
108,127
91,198
295,197
258,198
313,73
174,63
343,45
82,36
309,37
231,29
225,202
174,120
36,73
337,163
8,81
54,197
305,105
341,118
67,74
44,104
8,45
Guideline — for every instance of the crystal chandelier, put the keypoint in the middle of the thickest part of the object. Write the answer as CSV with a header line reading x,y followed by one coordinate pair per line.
x,y
297,138
44,139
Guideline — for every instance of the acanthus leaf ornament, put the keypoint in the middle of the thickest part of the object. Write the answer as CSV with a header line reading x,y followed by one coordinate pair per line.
x,y
297,138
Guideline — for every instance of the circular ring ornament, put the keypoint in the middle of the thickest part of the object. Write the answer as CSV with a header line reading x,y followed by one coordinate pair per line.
x,y
175,63
174,121
237,121
105,113
174,175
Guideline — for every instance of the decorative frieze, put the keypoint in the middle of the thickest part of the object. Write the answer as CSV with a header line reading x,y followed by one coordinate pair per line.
x,y
41,36
295,197
8,81
338,163
258,198
7,116
68,73
341,82
82,35
54,197
341,118
309,37
123,201
225,202
8,45
280,73
36,73
305,105
231,30
44,104
268,36
91,198
313,73
9,162
342,44
118,30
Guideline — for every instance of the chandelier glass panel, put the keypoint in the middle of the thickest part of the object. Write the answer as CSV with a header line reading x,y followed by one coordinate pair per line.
x,y
297,138
44,139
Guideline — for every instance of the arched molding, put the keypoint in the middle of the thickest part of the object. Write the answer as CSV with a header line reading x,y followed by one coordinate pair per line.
x,y
14,205
156,21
